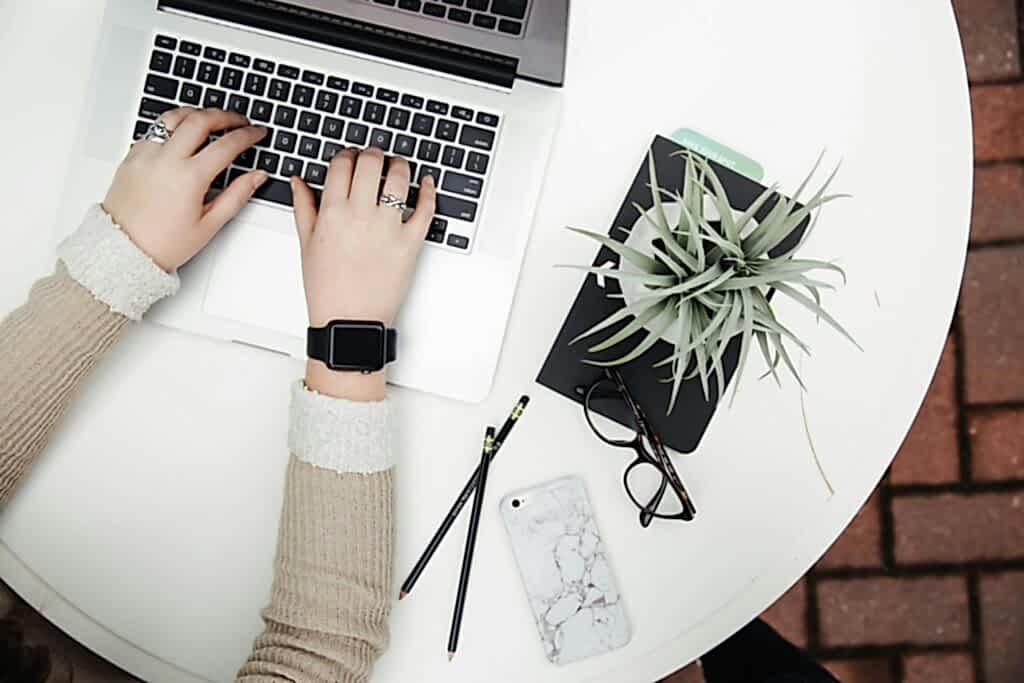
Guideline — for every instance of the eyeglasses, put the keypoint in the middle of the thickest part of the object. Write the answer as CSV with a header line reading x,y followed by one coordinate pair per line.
x,y
651,481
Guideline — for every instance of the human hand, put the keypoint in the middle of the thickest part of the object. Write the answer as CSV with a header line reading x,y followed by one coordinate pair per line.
x,y
357,255
157,195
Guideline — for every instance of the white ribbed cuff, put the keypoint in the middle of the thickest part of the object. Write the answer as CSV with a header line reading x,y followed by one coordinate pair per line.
x,y
104,260
337,434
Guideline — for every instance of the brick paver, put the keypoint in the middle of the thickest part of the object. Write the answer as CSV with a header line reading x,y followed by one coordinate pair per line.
x,y
988,29
998,205
1002,626
998,112
957,528
939,667
789,614
861,544
997,445
874,670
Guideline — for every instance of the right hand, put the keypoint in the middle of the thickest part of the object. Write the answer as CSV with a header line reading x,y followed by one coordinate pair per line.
x,y
358,256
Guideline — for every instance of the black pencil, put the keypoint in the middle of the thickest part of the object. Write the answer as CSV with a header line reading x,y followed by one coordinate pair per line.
x,y
460,501
467,555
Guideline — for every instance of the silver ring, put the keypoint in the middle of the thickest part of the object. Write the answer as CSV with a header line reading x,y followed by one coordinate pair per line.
x,y
157,132
394,202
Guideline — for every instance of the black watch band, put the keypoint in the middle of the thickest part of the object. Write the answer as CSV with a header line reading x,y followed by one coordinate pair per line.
x,y
352,345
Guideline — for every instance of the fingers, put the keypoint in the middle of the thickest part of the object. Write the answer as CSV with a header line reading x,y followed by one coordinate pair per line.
x,y
339,178
419,223
305,209
229,202
196,127
397,181
172,119
366,179
222,151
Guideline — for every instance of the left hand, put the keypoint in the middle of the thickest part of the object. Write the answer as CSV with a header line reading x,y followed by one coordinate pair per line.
x,y
158,193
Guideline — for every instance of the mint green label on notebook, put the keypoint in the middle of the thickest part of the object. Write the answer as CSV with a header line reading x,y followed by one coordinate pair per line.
x,y
719,153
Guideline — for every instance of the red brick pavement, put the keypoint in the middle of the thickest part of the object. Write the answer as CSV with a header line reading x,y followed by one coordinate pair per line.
x,y
927,583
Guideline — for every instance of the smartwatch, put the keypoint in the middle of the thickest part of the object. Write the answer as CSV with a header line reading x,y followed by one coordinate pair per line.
x,y
352,345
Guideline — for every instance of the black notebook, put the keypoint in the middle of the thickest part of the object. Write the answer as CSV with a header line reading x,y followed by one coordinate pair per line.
x,y
564,369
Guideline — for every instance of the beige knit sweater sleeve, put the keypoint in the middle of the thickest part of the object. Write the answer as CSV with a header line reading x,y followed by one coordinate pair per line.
x,y
330,599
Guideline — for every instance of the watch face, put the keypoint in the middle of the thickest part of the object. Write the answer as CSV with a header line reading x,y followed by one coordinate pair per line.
x,y
357,346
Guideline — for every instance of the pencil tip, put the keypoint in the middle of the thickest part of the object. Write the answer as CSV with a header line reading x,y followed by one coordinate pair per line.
x,y
401,596
451,655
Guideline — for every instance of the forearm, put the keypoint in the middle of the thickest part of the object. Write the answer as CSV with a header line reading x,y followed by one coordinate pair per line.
x,y
71,319
330,602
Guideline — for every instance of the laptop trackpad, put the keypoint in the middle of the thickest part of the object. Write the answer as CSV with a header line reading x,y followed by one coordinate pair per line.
x,y
257,280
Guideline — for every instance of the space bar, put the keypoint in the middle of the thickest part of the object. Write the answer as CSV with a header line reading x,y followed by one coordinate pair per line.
x,y
277,191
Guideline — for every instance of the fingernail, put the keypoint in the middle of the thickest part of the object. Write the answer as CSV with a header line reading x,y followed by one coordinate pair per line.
x,y
429,179
259,179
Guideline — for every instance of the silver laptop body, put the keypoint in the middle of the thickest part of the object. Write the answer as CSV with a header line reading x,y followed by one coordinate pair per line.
x,y
346,73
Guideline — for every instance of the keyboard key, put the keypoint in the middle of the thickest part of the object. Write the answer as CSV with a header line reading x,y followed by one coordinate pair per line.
x,y
476,137
411,5
267,139
381,138
279,90
285,141
140,129
215,53
184,67
453,156
364,89
374,112
166,42
477,163
330,149
447,130
287,71
327,101
486,119
385,95
484,20
509,26
428,151
422,124
405,145
208,73
151,109
261,111
350,107
263,65
432,171
459,15
398,118
291,166
239,103
256,84
434,236
285,116
453,207
190,93
214,98
435,107
231,79
316,174
303,96
335,83
457,3
274,190
509,8
389,3
309,147
313,77
356,133
462,113
433,9
160,61
412,101
332,128
239,60
458,241
466,185
438,227
190,48
160,86
478,5
309,122
247,158
269,162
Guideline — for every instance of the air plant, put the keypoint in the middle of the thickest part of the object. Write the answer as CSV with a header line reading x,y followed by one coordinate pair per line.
x,y
707,281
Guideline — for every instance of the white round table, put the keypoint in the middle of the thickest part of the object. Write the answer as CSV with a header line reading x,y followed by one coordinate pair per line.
x,y
147,530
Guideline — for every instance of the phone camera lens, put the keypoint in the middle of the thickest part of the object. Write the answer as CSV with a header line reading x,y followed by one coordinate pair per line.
x,y
515,502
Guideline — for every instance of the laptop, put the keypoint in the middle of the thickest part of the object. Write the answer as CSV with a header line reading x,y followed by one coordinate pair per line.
x,y
467,90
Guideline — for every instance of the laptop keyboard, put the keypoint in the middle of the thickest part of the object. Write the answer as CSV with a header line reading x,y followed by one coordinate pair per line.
x,y
503,16
313,115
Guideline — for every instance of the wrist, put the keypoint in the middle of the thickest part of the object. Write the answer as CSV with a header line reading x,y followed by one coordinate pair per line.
x,y
354,386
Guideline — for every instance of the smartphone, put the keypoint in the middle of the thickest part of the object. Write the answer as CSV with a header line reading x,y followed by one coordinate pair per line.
x,y
565,571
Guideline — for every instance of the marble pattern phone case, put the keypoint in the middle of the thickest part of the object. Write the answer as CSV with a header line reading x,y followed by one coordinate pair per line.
x,y
564,567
